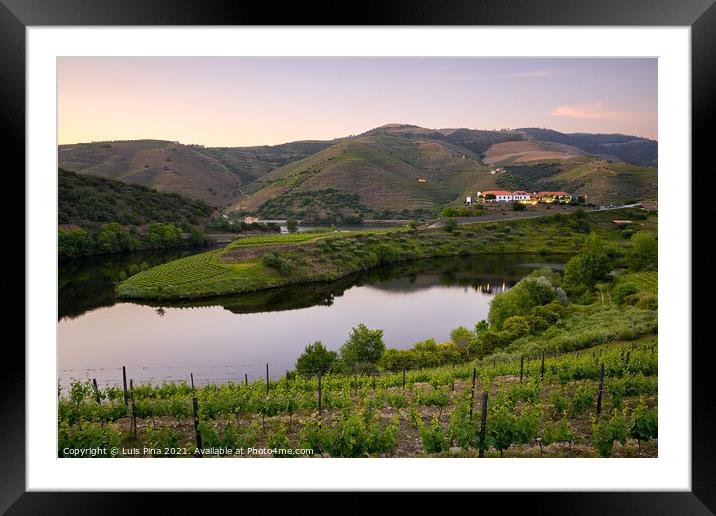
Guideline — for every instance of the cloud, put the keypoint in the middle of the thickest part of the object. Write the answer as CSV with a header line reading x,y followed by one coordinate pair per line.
x,y
534,73
590,111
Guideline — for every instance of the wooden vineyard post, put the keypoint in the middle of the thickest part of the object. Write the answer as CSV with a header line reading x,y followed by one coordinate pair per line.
x,y
246,380
599,393
483,424
134,413
96,390
191,375
267,379
374,381
195,407
542,368
319,394
403,379
124,379
522,366
472,391
628,355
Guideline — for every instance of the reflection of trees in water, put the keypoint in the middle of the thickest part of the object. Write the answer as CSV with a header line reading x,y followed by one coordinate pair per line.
x,y
491,274
88,283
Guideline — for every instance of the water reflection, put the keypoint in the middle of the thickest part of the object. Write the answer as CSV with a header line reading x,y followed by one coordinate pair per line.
x,y
228,337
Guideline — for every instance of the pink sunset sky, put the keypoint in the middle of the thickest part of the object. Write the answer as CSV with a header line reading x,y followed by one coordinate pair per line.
x,y
242,101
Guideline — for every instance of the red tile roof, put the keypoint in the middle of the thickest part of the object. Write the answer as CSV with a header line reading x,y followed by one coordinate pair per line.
x,y
497,192
558,194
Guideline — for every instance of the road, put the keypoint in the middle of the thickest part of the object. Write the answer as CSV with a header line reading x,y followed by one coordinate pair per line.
x,y
517,215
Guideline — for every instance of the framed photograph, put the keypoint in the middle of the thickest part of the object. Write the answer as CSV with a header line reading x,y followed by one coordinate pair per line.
x,y
424,252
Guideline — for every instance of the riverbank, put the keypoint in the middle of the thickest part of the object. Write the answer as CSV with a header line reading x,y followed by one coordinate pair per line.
x,y
257,263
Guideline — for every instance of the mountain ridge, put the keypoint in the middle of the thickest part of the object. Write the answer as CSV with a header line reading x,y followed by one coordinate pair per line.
x,y
396,169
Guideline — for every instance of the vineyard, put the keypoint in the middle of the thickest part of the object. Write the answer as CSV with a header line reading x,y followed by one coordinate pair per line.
x,y
596,402
261,262
176,279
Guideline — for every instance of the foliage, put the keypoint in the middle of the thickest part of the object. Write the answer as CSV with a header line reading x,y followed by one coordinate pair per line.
x,y
315,359
450,225
590,266
645,423
527,294
605,432
364,346
643,253
292,225
87,200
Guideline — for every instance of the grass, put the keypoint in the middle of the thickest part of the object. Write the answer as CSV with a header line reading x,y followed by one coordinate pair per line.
x,y
304,258
396,416
646,281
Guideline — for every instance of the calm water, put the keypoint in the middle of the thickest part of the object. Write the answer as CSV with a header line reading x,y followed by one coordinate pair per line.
x,y
224,338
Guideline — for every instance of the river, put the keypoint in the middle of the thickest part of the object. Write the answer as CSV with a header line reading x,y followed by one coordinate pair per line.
x,y
223,339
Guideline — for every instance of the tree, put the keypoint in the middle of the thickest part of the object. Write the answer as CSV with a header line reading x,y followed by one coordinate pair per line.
x,y
517,326
520,299
490,197
462,337
643,253
315,358
518,206
588,267
481,327
450,225
363,346
292,225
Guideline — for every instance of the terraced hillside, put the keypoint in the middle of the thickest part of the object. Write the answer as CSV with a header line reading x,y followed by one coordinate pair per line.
x,y
213,175
255,263
392,171
387,171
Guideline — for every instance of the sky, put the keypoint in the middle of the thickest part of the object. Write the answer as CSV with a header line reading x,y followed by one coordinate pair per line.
x,y
245,101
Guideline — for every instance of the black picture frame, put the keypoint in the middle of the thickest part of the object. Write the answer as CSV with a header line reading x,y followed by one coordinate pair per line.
x,y
17,15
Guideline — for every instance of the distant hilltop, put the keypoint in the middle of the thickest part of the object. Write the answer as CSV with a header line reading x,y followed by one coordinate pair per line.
x,y
391,171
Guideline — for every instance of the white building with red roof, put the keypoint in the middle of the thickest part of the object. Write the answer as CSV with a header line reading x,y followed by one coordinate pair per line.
x,y
505,195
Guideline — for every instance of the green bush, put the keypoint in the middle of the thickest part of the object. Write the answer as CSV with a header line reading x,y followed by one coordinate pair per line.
x,y
622,291
643,253
315,359
363,346
590,266
450,225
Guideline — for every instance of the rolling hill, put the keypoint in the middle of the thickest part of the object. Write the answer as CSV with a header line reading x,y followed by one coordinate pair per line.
x,y
387,170
88,201
392,171
213,175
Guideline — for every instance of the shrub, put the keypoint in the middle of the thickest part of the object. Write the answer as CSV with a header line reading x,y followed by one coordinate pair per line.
x,y
643,253
363,345
520,299
590,266
450,225
271,259
315,359
517,326
292,225
622,291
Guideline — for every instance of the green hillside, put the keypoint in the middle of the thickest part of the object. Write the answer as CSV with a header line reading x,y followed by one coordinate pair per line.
x,y
213,175
392,171
386,171
89,201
